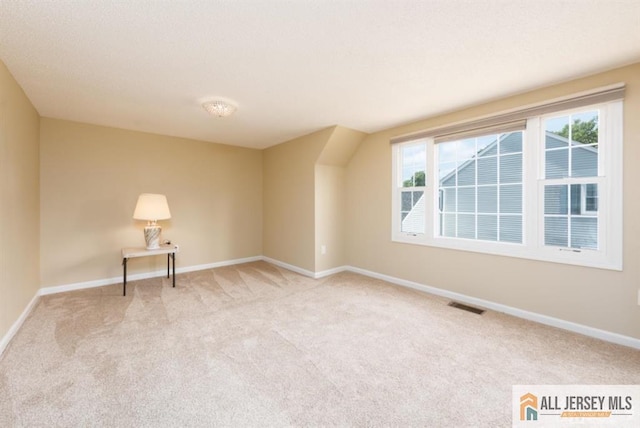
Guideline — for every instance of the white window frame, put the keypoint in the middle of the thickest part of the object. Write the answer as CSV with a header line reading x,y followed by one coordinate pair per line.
x,y
610,190
397,191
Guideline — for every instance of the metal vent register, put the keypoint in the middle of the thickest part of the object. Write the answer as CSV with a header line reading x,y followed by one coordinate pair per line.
x,y
466,308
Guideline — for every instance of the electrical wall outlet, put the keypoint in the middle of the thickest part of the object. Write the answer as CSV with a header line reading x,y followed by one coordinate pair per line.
x,y
323,249
638,296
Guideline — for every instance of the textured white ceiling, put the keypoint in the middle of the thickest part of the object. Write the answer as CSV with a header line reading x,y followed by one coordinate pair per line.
x,y
294,67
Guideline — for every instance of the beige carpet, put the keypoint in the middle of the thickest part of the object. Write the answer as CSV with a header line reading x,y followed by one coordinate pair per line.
x,y
256,345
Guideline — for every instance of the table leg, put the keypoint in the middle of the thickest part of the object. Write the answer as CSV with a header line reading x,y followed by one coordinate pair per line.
x,y
173,256
168,256
124,275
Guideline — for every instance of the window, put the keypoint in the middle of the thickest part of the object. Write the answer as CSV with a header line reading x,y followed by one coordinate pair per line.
x,y
548,188
412,180
480,188
570,204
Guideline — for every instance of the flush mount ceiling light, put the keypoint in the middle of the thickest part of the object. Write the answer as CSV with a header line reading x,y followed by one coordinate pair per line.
x,y
219,108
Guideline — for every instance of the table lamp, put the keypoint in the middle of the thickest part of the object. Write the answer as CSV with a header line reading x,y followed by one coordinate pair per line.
x,y
152,207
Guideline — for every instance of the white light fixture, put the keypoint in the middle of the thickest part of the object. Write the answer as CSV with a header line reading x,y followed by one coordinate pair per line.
x,y
219,108
152,207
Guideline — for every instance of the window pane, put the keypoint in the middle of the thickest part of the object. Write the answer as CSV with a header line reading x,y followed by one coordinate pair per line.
x,y
487,146
511,168
446,152
577,137
467,173
449,199
576,199
414,159
556,199
511,143
481,164
584,199
467,226
511,228
413,218
449,225
467,199
591,198
553,141
556,231
557,132
584,161
415,180
488,170
406,203
447,174
557,163
488,227
511,199
584,232
584,128
488,199
466,149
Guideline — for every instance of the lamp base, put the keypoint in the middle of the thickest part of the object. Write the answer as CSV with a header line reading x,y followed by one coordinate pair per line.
x,y
152,236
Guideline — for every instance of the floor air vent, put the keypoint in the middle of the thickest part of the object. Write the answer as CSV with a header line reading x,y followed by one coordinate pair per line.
x,y
466,308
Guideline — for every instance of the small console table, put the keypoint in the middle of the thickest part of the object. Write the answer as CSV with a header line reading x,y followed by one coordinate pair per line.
x,y
129,253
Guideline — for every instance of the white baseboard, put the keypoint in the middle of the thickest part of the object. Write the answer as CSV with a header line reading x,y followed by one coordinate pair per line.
x,y
498,307
136,277
90,284
6,339
293,268
328,272
305,272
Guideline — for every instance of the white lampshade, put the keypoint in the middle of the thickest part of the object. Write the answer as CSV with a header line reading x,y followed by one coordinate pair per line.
x,y
152,207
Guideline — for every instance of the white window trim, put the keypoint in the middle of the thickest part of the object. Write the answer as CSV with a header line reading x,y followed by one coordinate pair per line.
x,y
610,204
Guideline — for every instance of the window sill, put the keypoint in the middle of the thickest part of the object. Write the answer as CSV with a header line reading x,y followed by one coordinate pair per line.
x,y
586,258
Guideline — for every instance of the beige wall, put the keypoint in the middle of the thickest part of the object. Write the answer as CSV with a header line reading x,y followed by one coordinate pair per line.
x,y
304,198
330,203
91,177
594,297
19,201
289,199
329,213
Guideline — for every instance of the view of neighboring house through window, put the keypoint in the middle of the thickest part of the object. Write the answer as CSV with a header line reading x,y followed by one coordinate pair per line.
x,y
480,188
571,181
412,205
546,187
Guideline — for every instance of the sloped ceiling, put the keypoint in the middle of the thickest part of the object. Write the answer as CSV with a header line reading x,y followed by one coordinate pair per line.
x,y
297,66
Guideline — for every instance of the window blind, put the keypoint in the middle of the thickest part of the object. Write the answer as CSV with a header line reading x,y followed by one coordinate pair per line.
x,y
515,119
498,128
